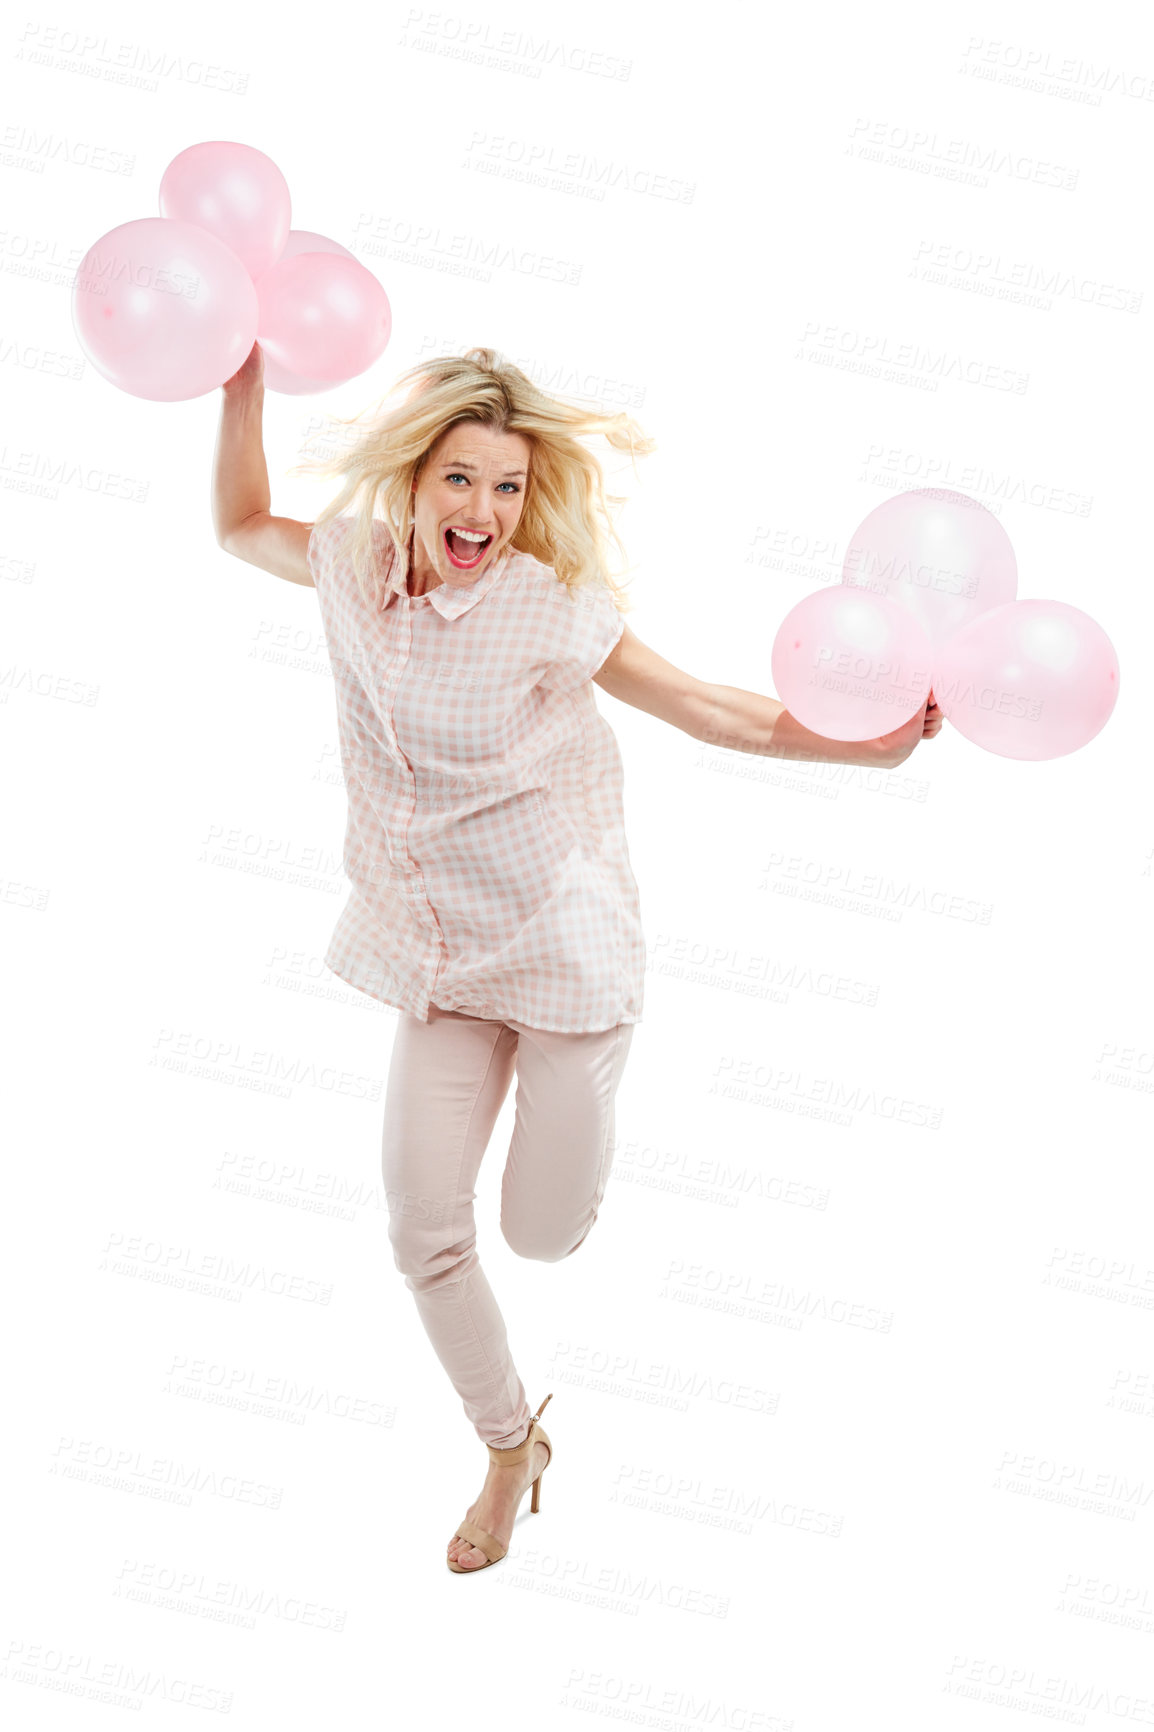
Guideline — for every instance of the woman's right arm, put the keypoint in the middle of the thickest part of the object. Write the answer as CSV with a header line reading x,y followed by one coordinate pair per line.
x,y
240,492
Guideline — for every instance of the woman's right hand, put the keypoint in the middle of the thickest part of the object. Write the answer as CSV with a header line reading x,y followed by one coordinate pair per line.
x,y
248,378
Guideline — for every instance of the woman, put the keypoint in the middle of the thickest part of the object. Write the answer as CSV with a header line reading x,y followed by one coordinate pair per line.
x,y
467,609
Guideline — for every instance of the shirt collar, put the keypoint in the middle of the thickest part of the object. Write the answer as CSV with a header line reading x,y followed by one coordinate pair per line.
x,y
450,600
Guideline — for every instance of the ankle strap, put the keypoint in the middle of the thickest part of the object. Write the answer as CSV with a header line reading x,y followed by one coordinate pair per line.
x,y
518,1451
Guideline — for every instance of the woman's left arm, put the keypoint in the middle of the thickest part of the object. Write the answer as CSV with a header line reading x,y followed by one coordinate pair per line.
x,y
744,721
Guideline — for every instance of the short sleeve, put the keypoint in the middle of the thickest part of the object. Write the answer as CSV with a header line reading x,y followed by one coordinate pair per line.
x,y
325,544
579,632
330,541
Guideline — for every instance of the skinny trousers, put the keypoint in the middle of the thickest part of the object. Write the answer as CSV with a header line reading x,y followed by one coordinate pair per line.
x,y
448,1078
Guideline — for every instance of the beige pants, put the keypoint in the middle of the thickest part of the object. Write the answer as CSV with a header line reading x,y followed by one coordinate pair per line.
x,y
448,1078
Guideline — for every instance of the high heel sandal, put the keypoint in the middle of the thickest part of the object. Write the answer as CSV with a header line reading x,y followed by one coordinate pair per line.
x,y
475,1536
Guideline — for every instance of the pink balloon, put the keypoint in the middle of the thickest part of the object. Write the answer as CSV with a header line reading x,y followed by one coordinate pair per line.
x,y
237,193
941,555
163,309
308,241
276,376
1031,679
322,317
850,665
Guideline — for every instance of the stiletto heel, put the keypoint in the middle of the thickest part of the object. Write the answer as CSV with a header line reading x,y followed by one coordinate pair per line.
x,y
476,1536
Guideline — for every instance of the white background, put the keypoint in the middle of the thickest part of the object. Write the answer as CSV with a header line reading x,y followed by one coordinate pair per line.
x,y
853,1383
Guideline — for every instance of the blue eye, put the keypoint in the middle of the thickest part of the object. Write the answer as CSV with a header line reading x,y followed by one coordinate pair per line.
x,y
456,475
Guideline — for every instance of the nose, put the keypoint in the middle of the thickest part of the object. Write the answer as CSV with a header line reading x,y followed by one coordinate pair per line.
x,y
479,514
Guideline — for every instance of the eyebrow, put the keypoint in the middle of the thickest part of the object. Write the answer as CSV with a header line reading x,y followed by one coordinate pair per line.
x,y
455,463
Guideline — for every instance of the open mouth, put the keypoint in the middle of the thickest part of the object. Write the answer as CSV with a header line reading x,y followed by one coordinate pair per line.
x,y
463,553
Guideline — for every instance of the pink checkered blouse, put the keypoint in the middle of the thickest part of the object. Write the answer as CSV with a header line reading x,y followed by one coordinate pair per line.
x,y
485,846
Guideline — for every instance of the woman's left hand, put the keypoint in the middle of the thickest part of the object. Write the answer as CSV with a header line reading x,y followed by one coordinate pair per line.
x,y
932,719
923,725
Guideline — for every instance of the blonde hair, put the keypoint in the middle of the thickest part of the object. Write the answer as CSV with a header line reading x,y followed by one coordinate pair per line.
x,y
567,517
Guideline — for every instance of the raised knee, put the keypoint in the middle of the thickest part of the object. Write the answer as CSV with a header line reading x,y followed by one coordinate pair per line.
x,y
521,1238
